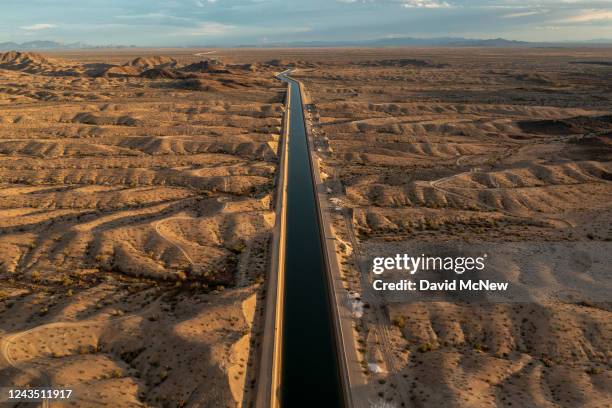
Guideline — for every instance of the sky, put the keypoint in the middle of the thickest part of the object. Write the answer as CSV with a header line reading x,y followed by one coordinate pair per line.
x,y
261,22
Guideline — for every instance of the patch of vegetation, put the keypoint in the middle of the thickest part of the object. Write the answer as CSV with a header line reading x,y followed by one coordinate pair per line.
x,y
399,322
425,347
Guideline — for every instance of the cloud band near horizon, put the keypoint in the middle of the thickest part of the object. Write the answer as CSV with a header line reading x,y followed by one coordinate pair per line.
x,y
236,22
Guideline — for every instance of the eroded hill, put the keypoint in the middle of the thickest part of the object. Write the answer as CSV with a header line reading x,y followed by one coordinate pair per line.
x,y
135,214
505,153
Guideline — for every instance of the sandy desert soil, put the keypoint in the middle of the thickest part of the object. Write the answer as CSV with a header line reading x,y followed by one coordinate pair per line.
x,y
135,217
501,151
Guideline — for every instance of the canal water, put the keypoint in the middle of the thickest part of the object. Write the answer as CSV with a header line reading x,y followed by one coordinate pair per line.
x,y
310,376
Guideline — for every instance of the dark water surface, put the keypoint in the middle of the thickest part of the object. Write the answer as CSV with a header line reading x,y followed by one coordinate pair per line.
x,y
310,376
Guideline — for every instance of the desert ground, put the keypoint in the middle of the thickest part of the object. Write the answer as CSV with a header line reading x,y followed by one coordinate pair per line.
x,y
136,191
506,152
135,219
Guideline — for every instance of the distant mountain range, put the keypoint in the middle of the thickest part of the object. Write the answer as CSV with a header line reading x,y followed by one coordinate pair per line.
x,y
409,41
380,42
435,42
49,45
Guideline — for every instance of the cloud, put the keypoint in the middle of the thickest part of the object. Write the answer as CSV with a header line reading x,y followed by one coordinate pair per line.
x,y
208,28
151,16
430,4
590,16
522,14
39,26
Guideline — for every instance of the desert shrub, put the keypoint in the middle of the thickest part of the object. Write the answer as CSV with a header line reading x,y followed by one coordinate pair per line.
x,y
238,247
594,370
399,322
425,347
